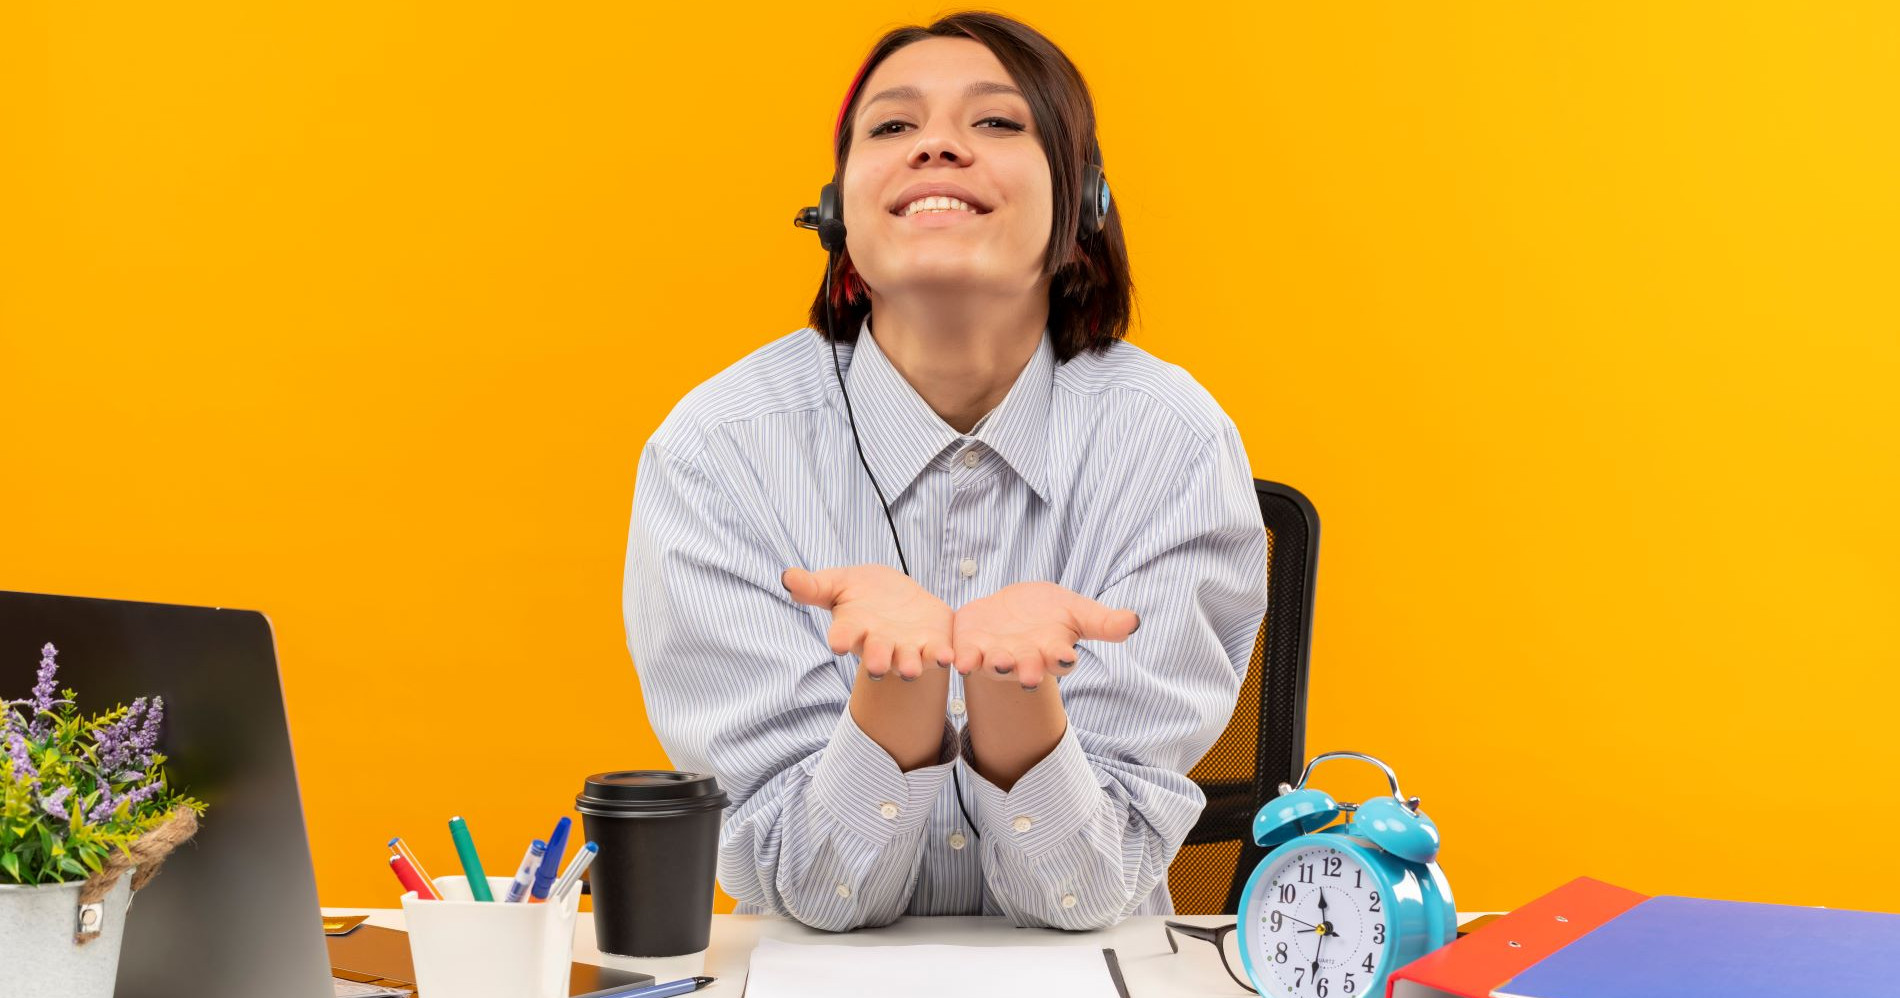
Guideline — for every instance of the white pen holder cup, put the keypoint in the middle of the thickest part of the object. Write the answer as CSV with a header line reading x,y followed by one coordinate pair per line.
x,y
463,948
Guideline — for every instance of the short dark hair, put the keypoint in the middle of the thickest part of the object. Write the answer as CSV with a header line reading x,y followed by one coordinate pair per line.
x,y
1090,292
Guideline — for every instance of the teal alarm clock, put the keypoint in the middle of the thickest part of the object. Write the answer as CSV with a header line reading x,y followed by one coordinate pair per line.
x,y
1333,909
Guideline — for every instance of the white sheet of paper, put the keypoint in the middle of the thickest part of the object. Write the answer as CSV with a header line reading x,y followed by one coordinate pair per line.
x,y
792,970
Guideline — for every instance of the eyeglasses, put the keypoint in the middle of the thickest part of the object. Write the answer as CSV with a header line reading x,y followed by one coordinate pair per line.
x,y
1223,939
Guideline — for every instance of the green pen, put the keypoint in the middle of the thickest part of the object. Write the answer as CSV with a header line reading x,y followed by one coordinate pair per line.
x,y
471,860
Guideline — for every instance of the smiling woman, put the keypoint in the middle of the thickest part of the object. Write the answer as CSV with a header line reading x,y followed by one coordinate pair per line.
x,y
1048,488
1027,114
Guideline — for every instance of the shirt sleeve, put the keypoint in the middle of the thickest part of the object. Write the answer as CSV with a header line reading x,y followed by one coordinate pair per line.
x,y
1083,838
739,682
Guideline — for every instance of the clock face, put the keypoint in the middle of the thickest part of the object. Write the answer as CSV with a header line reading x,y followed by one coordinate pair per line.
x,y
1319,927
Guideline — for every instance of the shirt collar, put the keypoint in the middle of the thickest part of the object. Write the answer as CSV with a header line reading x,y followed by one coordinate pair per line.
x,y
902,434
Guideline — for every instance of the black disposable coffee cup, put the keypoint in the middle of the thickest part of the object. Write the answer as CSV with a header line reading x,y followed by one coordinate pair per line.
x,y
658,833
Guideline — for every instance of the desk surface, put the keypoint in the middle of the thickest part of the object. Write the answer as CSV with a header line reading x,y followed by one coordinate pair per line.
x,y
1139,943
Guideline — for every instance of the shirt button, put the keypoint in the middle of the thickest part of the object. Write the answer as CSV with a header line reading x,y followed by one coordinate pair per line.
x,y
1021,823
968,567
970,458
843,891
887,809
957,841
956,706
1068,900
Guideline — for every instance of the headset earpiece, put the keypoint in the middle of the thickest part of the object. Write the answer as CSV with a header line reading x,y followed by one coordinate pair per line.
x,y
831,219
827,219
1095,199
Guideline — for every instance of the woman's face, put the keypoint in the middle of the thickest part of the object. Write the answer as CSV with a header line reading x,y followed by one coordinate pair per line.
x,y
955,120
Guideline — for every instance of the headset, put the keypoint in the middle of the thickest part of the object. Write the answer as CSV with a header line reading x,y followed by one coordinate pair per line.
x,y
828,219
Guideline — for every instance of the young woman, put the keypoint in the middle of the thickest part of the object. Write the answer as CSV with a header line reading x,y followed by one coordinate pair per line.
x,y
1080,566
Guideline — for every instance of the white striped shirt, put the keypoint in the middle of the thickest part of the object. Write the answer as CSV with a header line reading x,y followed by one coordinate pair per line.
x,y
1114,475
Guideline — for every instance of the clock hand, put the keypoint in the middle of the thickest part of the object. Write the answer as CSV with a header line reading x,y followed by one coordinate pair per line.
x,y
1320,931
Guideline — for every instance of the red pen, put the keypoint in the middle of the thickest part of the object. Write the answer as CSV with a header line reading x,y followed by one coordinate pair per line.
x,y
411,880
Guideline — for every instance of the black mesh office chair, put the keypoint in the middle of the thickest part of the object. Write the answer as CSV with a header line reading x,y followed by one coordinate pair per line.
x,y
1265,742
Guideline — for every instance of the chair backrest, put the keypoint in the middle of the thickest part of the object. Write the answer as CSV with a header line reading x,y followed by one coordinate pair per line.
x,y
1265,742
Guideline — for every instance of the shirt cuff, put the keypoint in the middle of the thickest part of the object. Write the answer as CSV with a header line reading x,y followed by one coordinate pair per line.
x,y
1047,807
859,783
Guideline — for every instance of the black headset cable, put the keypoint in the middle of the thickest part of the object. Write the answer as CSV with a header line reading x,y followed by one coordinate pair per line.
x,y
831,333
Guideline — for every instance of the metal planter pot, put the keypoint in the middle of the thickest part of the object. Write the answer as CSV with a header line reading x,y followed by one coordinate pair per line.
x,y
38,955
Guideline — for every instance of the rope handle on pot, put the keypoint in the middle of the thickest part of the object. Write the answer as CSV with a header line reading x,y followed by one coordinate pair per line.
x,y
142,859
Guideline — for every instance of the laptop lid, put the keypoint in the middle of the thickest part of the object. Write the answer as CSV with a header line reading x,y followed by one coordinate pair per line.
x,y
233,913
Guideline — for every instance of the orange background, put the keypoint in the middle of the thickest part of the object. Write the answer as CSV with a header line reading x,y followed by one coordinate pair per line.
x,y
1575,320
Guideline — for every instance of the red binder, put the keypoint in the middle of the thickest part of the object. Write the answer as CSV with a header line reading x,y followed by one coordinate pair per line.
x,y
1472,966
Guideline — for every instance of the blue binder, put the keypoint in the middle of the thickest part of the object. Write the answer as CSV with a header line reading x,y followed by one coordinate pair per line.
x,y
1694,948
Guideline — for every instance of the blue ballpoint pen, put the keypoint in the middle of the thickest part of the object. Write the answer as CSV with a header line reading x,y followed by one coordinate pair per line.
x,y
551,862
680,987
524,877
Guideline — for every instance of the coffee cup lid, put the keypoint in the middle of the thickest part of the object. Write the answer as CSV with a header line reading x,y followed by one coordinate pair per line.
x,y
649,792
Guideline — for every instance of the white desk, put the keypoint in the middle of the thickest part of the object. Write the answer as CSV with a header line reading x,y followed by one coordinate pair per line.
x,y
1140,945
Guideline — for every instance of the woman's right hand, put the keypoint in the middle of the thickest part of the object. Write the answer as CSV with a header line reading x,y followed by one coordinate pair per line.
x,y
880,614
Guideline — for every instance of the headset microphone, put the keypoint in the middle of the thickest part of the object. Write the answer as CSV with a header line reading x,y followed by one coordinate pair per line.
x,y
828,217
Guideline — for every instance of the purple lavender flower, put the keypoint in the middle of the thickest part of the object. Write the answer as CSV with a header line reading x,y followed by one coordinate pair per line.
x,y
54,803
108,803
102,810
43,691
22,763
118,743
109,743
141,795
147,738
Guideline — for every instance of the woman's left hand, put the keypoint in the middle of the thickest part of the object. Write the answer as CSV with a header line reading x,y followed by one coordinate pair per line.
x,y
1030,629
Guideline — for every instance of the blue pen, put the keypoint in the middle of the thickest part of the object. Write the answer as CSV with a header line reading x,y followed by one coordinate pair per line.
x,y
679,987
524,876
551,863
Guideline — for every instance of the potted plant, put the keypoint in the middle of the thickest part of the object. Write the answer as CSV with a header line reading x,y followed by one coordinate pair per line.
x,y
86,815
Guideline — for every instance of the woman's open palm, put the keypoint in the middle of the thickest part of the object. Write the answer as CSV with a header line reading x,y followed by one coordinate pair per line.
x,y
880,614
1031,629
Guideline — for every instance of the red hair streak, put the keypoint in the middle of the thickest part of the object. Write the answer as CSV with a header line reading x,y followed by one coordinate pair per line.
x,y
837,127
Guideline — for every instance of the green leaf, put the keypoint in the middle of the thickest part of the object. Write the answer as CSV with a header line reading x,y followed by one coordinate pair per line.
x,y
67,865
91,859
11,864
